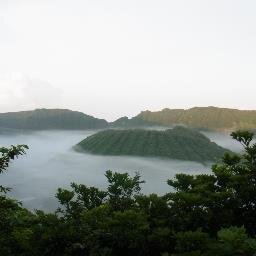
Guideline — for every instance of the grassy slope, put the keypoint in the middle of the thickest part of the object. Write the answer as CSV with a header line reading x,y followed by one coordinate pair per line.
x,y
203,117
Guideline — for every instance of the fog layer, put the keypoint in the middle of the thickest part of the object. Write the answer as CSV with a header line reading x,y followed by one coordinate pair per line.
x,y
51,163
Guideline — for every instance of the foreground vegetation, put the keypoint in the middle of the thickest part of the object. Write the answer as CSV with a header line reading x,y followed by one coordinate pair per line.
x,y
203,215
177,143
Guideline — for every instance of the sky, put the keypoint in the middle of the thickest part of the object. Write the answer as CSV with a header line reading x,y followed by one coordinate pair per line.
x,y
116,58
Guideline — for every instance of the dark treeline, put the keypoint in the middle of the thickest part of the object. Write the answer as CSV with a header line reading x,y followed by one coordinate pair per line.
x,y
203,215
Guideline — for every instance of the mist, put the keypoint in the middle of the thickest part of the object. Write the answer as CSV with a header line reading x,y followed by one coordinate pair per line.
x,y
224,140
50,163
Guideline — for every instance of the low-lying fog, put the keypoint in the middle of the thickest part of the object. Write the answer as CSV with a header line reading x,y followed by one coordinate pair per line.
x,y
51,163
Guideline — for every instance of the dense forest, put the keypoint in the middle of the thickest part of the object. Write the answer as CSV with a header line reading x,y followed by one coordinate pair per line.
x,y
44,119
212,118
177,143
204,215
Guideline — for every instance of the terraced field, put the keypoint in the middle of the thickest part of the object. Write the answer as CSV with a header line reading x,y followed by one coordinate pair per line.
x,y
178,143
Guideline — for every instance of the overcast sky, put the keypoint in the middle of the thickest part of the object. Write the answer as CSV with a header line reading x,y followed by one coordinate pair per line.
x,y
114,58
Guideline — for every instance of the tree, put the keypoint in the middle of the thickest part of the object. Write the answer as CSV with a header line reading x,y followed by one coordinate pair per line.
x,y
81,198
8,154
225,198
122,189
233,241
8,207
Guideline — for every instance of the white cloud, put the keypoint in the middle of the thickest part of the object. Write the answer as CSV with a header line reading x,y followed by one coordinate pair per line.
x,y
18,91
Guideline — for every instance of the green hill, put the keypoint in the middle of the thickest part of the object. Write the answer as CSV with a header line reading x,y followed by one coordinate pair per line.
x,y
212,118
43,119
178,143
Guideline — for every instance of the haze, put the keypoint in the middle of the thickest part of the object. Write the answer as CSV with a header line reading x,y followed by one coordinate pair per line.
x,y
51,163
115,58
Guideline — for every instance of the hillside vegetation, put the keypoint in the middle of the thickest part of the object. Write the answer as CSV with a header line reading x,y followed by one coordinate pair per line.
x,y
178,143
43,119
212,118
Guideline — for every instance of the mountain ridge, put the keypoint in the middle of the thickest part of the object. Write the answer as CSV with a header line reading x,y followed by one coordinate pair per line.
x,y
45,119
201,118
210,118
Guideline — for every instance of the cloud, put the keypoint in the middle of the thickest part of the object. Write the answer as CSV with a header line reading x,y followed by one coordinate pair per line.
x,y
20,92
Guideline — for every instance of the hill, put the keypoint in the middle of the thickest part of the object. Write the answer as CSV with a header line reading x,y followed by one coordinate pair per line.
x,y
43,119
211,118
178,143
125,122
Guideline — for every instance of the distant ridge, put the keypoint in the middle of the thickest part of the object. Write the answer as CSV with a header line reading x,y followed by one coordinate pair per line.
x,y
202,118
177,143
46,119
212,118
125,122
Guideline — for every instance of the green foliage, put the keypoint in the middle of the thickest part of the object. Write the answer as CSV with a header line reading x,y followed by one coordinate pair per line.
x,y
233,241
9,208
122,189
8,154
177,143
193,242
81,198
203,215
245,137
